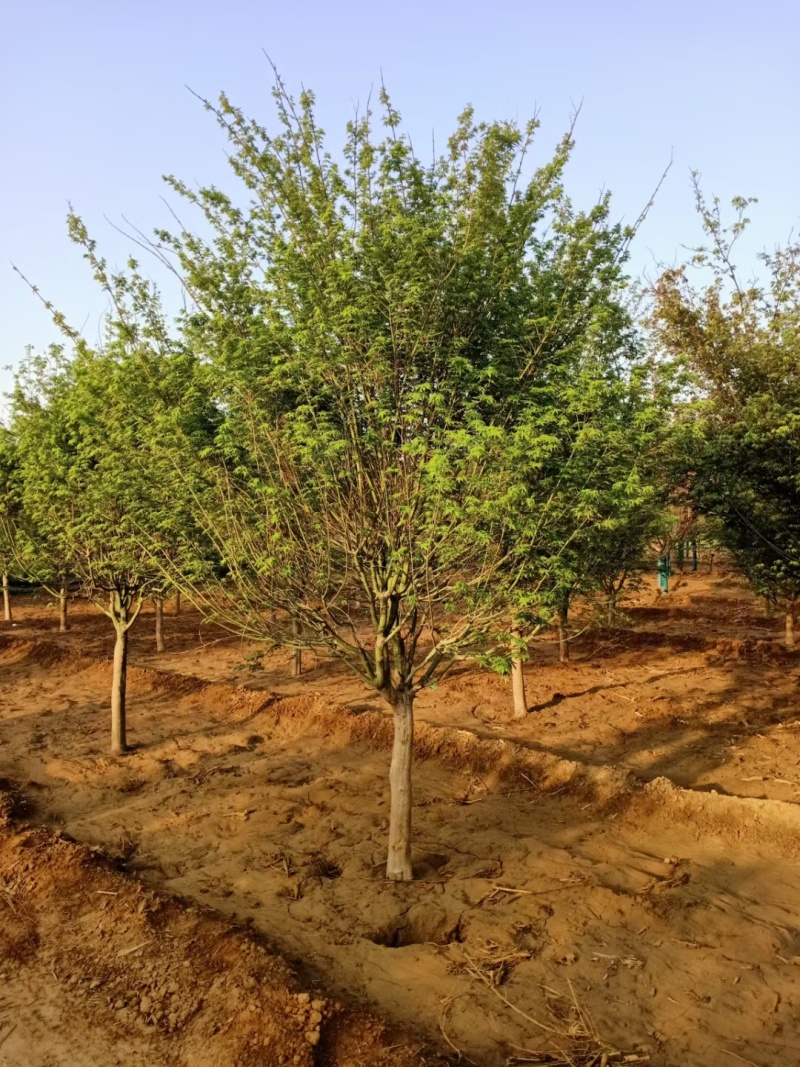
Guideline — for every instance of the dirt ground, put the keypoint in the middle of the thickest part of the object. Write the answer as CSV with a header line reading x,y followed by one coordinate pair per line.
x,y
617,872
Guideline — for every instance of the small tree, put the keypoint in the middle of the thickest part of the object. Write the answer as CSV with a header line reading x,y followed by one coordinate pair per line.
x,y
742,432
23,547
83,493
596,496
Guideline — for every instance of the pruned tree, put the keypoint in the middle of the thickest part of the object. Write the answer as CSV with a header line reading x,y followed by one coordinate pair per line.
x,y
376,337
381,336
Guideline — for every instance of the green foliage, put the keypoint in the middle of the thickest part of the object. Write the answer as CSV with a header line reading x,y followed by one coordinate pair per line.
x,y
740,437
413,364
96,430
79,495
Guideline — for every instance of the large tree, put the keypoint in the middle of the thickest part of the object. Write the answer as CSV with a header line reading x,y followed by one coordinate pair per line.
x,y
379,337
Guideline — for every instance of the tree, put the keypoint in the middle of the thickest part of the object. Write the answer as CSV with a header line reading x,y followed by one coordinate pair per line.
x,y
88,494
741,434
376,337
595,494
100,498
381,337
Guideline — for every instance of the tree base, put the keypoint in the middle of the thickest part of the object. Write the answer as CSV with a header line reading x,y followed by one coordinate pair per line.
x,y
404,875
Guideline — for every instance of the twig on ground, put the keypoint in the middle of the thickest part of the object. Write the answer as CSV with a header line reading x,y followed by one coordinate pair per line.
x,y
741,1059
577,1042
444,1014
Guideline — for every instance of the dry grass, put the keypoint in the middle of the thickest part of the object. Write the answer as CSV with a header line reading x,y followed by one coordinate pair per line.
x,y
570,1036
19,937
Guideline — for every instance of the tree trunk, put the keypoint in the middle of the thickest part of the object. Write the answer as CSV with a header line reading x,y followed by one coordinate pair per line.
x,y
119,741
711,563
297,658
790,629
563,640
611,617
177,601
6,600
159,606
62,610
518,689
398,863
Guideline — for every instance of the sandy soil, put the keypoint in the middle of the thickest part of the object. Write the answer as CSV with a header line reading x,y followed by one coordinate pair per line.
x,y
627,854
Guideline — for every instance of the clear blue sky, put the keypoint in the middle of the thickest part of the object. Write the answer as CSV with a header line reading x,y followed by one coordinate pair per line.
x,y
95,108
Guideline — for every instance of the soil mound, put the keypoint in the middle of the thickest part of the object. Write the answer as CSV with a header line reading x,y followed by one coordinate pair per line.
x,y
611,790
34,652
139,971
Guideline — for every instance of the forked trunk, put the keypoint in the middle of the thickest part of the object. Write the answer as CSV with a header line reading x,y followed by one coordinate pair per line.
x,y
177,601
62,610
159,605
518,689
790,629
119,740
297,658
398,863
6,600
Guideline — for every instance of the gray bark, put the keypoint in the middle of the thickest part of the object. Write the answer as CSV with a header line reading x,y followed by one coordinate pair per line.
x,y
6,599
398,863
297,658
159,606
518,689
119,740
563,640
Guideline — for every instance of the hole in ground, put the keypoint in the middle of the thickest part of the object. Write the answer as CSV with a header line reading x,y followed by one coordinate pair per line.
x,y
422,924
